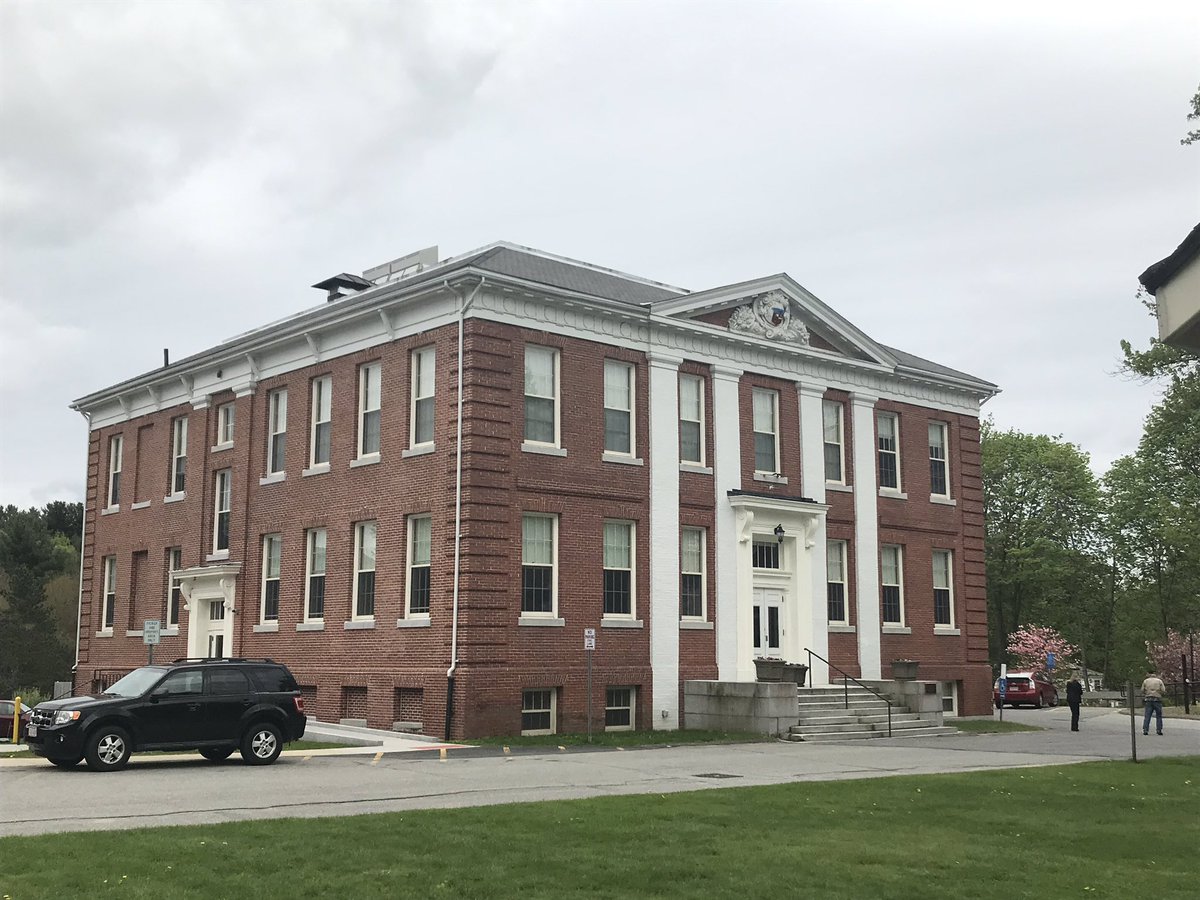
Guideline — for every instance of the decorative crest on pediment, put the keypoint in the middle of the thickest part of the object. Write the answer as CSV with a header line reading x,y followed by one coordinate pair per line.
x,y
769,315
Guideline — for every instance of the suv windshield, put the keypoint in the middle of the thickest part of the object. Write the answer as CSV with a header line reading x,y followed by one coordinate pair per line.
x,y
137,682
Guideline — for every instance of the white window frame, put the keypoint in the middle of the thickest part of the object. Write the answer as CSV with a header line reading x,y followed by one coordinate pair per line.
x,y
894,419
630,529
361,530
899,551
116,448
322,405
368,373
702,571
310,546
943,431
421,392
632,707
698,381
948,556
179,436
617,368
268,541
277,404
774,432
174,565
412,563
108,608
555,362
839,408
835,549
226,420
553,710
222,505
552,613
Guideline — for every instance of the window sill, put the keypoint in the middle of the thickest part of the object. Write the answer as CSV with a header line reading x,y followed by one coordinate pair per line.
x,y
105,633
175,498
219,556
770,478
414,622
541,622
371,459
137,633
358,625
145,504
543,449
949,630
893,493
896,629
173,631
109,510
419,450
273,478
266,628
943,501
217,448
622,460
621,623
843,488
310,626
694,625
318,469
695,468
842,629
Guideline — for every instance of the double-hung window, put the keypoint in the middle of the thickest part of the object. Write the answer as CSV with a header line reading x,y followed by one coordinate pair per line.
x,y
835,581
225,419
174,592
939,466
276,431
179,432
221,507
618,408
364,570
115,445
943,589
541,395
422,413
322,420
272,557
831,414
691,419
618,569
539,550
619,706
691,573
369,386
419,553
892,584
766,431
314,588
110,593
537,711
888,437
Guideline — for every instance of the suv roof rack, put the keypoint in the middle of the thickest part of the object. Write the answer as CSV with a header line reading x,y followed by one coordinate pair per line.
x,y
220,659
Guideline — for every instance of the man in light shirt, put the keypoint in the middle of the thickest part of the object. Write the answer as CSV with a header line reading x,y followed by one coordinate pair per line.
x,y
1152,691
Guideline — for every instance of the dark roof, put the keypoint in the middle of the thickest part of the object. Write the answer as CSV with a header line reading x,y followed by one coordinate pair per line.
x,y
1164,270
571,276
924,365
343,280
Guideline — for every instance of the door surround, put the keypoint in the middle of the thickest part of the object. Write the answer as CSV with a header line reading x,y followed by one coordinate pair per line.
x,y
201,586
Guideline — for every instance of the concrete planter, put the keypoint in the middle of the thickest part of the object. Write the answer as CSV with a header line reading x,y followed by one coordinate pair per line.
x,y
768,669
795,672
904,669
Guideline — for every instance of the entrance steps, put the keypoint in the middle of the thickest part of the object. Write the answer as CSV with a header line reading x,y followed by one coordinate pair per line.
x,y
835,713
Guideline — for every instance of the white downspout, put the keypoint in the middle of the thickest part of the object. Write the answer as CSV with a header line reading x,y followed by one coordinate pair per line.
x,y
87,417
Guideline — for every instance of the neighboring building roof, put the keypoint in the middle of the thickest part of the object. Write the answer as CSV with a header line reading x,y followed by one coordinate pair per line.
x,y
1163,270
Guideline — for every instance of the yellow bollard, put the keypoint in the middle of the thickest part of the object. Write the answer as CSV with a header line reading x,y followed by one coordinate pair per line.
x,y
16,719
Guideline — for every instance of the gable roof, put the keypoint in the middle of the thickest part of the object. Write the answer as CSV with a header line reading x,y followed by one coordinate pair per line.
x,y
1165,269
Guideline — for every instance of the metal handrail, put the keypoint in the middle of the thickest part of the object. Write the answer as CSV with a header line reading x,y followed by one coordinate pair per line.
x,y
846,685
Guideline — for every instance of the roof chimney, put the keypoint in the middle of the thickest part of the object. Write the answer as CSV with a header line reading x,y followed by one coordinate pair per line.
x,y
343,285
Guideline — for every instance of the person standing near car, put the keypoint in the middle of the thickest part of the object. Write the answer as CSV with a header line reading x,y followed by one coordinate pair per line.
x,y
1152,691
1074,698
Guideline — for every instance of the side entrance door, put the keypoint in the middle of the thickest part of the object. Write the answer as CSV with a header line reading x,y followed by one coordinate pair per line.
x,y
768,617
216,629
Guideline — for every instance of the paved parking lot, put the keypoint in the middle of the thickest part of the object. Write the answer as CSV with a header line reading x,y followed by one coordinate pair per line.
x,y
36,798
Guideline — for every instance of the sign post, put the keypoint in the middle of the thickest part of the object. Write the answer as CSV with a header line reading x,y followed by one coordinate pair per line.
x,y
1003,687
151,631
589,645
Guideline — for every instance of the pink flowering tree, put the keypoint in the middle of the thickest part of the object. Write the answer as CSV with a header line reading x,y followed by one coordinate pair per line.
x,y
1029,644
1166,655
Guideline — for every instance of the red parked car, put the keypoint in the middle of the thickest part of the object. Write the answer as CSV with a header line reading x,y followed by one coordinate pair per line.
x,y
1032,688
6,720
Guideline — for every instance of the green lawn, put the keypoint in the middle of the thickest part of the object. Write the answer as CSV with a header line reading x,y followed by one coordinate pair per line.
x,y
1109,829
983,726
294,745
623,739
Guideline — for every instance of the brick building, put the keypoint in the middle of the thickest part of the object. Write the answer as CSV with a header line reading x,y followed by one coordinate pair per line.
x,y
701,477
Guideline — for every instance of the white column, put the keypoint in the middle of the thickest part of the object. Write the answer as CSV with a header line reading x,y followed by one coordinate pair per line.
x,y
664,539
866,535
812,474
727,476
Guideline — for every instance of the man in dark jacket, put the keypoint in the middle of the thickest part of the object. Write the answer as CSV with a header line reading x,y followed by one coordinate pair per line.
x,y
1074,698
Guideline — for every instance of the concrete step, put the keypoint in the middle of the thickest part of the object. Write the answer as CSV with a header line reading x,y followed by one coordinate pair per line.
x,y
836,736
855,706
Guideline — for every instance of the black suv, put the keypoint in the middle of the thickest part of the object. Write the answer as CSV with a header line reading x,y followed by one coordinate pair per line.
x,y
215,706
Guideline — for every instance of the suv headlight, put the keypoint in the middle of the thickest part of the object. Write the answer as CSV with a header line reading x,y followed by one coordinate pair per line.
x,y
63,716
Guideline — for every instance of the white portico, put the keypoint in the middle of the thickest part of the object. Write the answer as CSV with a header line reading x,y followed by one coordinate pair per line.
x,y
209,593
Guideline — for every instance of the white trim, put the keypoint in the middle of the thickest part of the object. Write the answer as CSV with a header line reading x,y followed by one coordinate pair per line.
x,y
620,622
694,625
701,463
372,459
416,357
108,588
941,500
944,429
266,627
263,579
276,399
727,476
116,450
630,530
174,566
310,546
222,505
839,488
844,582
840,409
172,498
770,479
621,459
109,510
695,470
556,373
322,397
898,549
414,622
218,448
892,495
896,490
274,478
357,569
662,585
702,533
866,540
423,450
944,631
552,613
410,545
943,627
318,469
841,629
226,423
311,625
630,372
544,449
364,396
773,395
632,707
363,624
179,440
144,504
553,692
537,621
895,629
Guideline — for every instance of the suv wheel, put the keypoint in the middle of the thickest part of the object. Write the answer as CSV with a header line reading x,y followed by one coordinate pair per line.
x,y
216,754
261,744
108,749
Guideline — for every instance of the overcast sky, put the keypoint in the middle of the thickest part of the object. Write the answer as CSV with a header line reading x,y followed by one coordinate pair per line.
x,y
976,183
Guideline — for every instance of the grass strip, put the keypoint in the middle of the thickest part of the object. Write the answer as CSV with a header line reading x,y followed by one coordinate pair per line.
x,y
983,726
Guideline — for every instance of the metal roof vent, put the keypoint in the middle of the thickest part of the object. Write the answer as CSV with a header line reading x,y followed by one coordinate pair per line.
x,y
343,285
403,267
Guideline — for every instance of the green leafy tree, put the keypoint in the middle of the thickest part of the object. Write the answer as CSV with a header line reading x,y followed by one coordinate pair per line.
x,y
1192,136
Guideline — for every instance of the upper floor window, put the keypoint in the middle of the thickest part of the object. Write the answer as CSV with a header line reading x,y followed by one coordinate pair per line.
x,y
764,553
831,412
222,507
225,419
276,430
766,431
272,558
314,588
539,552
691,573
943,590
888,431
110,593
179,431
835,581
419,556
541,395
618,569
892,584
322,420
116,444
174,592
691,419
939,465
618,408
422,415
369,402
364,570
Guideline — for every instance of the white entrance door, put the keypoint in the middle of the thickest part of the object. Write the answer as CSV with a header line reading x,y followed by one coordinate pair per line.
x,y
768,622
216,629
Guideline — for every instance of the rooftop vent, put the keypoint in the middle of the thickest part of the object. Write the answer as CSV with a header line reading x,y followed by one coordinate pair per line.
x,y
343,285
403,267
